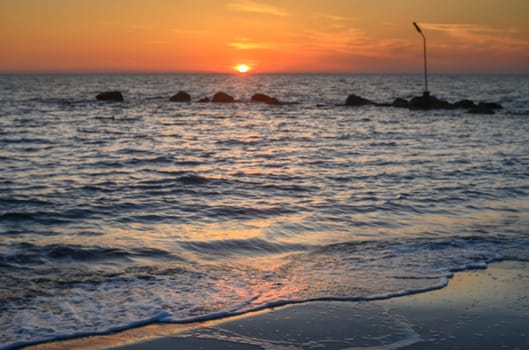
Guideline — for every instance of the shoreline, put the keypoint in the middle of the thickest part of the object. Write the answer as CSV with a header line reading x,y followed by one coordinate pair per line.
x,y
478,308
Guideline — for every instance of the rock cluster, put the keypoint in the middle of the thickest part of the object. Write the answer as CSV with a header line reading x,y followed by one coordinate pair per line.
x,y
467,104
424,102
222,97
401,103
427,102
485,108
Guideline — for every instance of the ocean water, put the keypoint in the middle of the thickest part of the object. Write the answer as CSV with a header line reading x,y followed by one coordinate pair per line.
x,y
114,215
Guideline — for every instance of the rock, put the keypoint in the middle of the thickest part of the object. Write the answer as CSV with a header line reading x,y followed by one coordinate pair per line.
x,y
481,109
467,104
490,105
266,99
204,100
426,102
181,96
114,96
222,97
485,108
357,101
401,103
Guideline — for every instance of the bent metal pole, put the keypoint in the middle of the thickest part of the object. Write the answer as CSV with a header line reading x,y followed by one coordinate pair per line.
x,y
425,64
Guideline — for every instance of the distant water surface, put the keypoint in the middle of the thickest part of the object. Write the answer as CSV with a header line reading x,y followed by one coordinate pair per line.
x,y
114,215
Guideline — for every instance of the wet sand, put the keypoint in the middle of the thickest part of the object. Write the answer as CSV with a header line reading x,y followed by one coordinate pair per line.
x,y
479,309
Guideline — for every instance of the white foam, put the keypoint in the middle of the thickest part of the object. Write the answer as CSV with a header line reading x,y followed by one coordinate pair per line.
x,y
128,302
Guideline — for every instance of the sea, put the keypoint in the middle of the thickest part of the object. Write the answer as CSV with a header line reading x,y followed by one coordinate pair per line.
x,y
117,215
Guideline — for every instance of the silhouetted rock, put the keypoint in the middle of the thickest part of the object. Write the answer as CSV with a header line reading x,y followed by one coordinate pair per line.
x,y
401,103
266,99
481,109
490,105
114,96
426,101
203,100
222,97
467,104
357,101
181,96
485,108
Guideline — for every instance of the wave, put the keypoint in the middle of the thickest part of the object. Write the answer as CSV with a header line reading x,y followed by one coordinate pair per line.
x,y
124,162
383,269
30,254
27,140
291,188
158,317
231,247
241,142
44,218
193,179
164,317
248,212
58,101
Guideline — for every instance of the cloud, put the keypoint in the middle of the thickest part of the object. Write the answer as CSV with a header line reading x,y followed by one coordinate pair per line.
x,y
333,21
248,44
256,7
480,36
345,40
465,28
330,34
191,31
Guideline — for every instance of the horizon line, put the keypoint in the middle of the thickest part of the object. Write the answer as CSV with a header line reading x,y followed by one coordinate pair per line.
x,y
156,72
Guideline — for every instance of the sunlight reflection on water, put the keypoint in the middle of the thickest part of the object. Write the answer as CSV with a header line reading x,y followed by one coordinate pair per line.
x,y
150,208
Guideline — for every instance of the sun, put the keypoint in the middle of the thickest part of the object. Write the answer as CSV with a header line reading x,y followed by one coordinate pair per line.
x,y
242,68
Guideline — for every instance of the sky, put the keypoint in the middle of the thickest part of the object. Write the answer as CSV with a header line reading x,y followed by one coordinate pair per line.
x,y
375,36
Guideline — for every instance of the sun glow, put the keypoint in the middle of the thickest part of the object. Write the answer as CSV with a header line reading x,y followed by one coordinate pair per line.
x,y
242,68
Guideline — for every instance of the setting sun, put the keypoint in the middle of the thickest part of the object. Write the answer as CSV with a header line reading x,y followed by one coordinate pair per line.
x,y
242,68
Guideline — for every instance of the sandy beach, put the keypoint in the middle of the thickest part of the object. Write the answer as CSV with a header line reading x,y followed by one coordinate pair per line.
x,y
479,309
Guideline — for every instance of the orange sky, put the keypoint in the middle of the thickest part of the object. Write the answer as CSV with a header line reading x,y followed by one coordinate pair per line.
x,y
270,36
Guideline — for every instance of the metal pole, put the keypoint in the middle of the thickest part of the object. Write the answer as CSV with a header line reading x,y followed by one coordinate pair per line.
x,y
425,63
425,66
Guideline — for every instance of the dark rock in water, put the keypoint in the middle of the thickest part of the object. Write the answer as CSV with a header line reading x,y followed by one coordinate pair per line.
x,y
357,101
490,105
181,96
401,103
222,97
203,100
481,109
426,102
485,108
266,99
467,104
114,96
